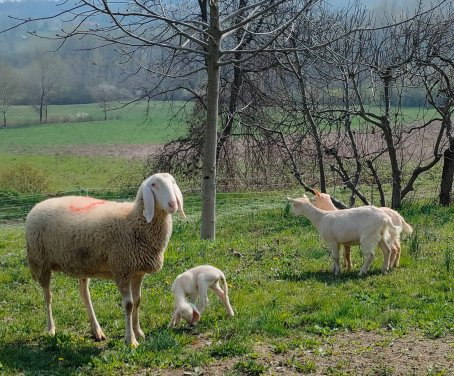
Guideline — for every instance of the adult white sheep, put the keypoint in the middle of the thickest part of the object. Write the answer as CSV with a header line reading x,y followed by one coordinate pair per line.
x,y
323,201
85,237
366,226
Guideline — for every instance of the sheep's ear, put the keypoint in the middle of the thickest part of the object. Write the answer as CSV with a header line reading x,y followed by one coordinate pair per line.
x,y
148,202
179,197
317,193
290,199
195,316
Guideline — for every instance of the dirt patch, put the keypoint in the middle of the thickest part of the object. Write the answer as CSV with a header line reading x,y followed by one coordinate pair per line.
x,y
360,353
130,151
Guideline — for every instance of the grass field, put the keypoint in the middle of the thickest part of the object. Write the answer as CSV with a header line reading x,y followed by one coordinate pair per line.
x,y
291,312
292,315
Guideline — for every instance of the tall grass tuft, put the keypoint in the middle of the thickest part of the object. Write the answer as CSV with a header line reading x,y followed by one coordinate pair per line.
x,y
415,245
449,258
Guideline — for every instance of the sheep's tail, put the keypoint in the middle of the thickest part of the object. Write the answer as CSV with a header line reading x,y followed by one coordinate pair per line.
x,y
226,301
406,227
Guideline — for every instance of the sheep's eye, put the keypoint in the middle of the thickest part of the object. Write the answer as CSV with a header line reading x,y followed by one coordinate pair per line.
x,y
153,184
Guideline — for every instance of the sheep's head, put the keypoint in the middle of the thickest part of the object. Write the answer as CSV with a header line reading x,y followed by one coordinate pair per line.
x,y
323,201
161,191
190,313
298,203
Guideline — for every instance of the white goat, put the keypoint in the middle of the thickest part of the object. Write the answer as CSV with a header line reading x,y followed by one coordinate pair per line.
x,y
323,201
194,283
85,237
367,226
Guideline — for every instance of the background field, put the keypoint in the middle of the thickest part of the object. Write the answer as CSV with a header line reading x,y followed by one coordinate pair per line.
x,y
292,315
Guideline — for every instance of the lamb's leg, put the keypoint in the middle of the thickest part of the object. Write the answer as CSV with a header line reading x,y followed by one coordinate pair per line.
x,y
45,284
175,318
125,290
347,258
224,298
334,247
386,256
85,294
369,254
136,284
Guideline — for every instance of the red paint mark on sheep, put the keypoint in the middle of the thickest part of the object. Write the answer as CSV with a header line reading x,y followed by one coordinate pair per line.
x,y
85,204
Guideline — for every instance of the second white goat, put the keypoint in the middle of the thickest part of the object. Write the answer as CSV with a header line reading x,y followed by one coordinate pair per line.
x,y
367,226
194,283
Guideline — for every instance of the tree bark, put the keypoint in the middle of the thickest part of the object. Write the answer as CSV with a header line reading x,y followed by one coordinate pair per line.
x,y
447,174
208,225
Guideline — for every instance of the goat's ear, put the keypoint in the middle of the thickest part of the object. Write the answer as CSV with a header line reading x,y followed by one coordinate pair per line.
x,y
317,193
195,316
290,199
148,201
179,197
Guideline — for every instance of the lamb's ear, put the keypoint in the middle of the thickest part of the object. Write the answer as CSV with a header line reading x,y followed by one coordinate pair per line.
x,y
195,316
179,197
148,201
290,199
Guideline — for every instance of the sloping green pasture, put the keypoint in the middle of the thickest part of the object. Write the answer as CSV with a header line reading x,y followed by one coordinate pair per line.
x,y
281,288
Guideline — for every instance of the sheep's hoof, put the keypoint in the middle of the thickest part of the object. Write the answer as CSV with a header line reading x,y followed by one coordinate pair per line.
x,y
99,335
133,343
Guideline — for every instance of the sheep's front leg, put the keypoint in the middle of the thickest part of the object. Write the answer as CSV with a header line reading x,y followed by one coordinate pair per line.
x,y
136,284
85,294
125,290
334,247
203,295
176,318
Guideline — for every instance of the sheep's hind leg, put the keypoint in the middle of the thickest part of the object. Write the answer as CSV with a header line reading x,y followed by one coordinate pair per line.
x,y
85,294
125,290
136,284
347,258
224,298
369,254
386,256
45,284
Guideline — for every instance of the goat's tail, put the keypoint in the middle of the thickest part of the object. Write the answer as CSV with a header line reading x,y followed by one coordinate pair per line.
x,y
226,296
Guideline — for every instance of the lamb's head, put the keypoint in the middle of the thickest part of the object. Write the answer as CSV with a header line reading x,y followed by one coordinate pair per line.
x,y
160,191
189,312
298,204
323,201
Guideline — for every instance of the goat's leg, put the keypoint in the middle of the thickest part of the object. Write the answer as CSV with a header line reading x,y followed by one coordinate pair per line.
x,y
124,286
396,249
45,284
347,258
224,298
202,287
136,284
86,298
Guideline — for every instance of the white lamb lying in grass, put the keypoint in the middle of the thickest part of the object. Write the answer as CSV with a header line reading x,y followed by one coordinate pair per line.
x,y
323,201
195,283
366,226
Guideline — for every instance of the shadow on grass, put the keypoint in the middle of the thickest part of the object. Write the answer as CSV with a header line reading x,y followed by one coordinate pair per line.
x,y
50,355
322,276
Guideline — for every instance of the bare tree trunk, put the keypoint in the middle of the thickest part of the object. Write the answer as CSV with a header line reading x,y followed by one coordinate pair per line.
x,y
447,174
4,118
208,225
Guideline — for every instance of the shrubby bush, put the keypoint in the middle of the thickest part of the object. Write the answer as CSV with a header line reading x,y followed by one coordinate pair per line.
x,y
25,178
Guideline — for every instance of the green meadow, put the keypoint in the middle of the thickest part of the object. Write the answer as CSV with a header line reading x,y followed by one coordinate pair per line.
x,y
292,315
